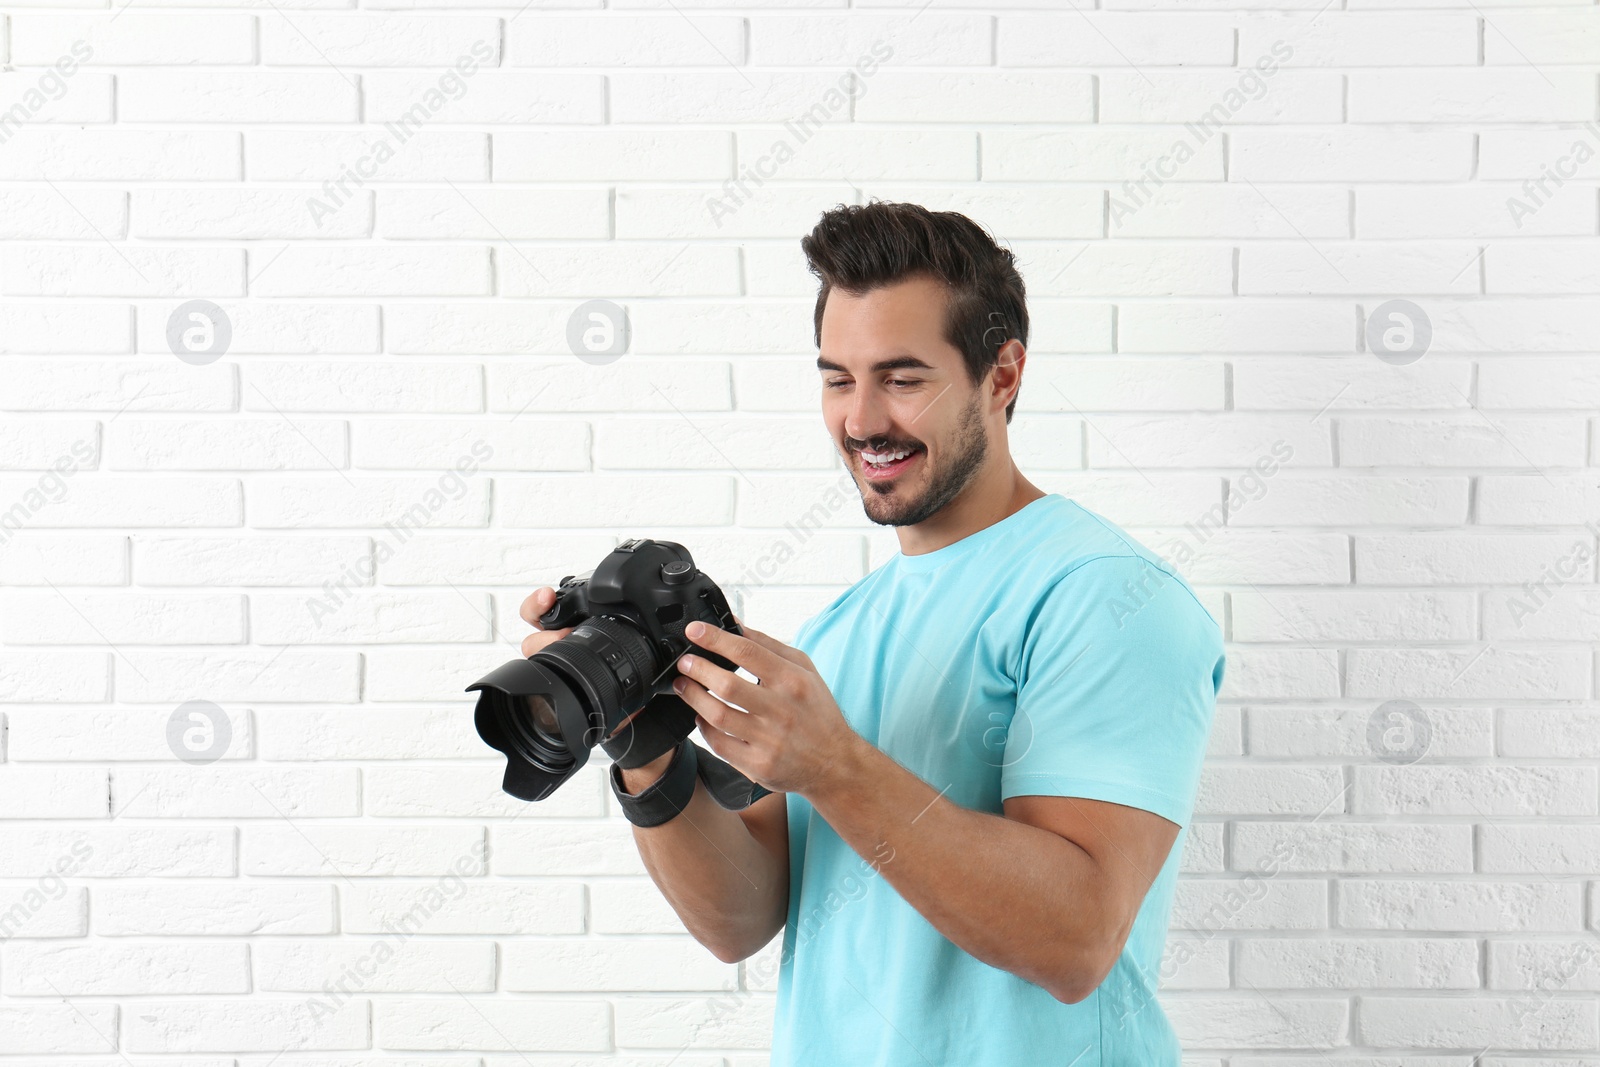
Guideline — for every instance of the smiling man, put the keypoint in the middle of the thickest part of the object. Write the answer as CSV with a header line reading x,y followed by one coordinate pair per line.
x,y
985,752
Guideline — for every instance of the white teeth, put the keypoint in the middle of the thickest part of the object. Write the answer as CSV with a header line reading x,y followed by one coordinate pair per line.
x,y
878,459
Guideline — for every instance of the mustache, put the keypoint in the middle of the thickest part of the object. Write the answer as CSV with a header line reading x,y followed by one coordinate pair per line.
x,y
879,446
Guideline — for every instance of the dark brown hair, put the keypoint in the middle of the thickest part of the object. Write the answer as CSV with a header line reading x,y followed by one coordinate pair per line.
x,y
860,247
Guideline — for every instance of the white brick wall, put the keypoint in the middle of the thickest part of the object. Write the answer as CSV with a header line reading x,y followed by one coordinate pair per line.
x,y
1210,200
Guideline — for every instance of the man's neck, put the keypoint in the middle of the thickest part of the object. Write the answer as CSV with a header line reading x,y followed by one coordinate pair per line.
x,y
985,502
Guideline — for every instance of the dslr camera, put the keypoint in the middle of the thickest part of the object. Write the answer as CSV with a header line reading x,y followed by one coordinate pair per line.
x,y
547,711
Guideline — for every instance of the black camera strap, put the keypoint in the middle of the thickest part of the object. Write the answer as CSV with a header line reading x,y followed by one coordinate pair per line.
x,y
729,788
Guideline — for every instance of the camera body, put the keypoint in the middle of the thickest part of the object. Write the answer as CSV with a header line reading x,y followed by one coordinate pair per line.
x,y
628,617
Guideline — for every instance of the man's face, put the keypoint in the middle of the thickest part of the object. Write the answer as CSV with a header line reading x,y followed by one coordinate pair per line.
x,y
891,383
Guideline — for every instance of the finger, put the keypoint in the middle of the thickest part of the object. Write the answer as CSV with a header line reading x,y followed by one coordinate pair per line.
x,y
727,720
723,684
537,604
744,651
722,743
773,645
542,638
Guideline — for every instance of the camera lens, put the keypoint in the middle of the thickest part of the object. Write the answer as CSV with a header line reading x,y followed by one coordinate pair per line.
x,y
531,726
602,669
544,718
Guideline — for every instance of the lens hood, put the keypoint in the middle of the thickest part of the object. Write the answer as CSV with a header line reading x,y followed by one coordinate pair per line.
x,y
533,769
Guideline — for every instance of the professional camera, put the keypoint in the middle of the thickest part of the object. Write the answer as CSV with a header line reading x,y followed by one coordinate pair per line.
x,y
547,711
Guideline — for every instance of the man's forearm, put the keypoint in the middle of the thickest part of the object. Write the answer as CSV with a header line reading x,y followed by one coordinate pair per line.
x,y
1015,896
729,889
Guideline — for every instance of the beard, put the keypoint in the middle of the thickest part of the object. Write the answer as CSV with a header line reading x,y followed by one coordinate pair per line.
x,y
891,505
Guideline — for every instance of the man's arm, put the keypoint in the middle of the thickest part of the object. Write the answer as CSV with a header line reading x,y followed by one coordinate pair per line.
x,y
1049,891
725,873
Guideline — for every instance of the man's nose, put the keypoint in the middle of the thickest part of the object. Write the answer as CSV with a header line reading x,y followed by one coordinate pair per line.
x,y
867,417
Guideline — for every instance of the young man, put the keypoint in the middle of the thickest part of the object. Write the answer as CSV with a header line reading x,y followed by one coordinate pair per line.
x,y
985,752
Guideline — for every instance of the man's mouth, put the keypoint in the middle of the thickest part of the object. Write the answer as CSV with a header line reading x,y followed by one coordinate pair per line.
x,y
881,466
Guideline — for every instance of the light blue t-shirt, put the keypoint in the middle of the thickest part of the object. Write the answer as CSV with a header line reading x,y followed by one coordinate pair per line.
x,y
1047,654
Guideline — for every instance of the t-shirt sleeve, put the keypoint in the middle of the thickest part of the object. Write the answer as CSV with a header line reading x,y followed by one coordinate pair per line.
x,y
1116,687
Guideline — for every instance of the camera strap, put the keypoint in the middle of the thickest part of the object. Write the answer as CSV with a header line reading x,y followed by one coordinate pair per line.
x,y
729,788
664,724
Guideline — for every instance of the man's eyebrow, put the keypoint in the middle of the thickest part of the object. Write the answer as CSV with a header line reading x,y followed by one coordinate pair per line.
x,y
896,363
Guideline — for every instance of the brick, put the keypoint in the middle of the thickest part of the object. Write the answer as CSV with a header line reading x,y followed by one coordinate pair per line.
x,y
623,500
1101,156
370,734
488,96
398,503
459,907
143,39
1460,1022
118,851
363,387
61,270
612,965
178,909
176,96
269,443
585,155
1113,39
123,155
247,561
542,213
257,1024
1363,39
250,792
1426,905
381,966
1350,154
53,792
353,851
1357,848
97,969
1371,963
629,40
48,908
441,1024
380,41
329,158
55,1028
1336,615
40,214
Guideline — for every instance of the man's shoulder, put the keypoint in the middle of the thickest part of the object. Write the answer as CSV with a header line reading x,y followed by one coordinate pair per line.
x,y
1094,557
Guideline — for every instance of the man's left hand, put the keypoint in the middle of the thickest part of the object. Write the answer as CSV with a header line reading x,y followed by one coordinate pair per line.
x,y
790,736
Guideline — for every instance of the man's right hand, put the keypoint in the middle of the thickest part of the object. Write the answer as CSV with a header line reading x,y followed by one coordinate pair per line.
x,y
634,779
541,601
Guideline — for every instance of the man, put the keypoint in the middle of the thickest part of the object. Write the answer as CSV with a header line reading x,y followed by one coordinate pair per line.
x,y
984,753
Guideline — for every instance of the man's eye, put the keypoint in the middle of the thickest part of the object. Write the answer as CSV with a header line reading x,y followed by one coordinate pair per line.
x,y
841,383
